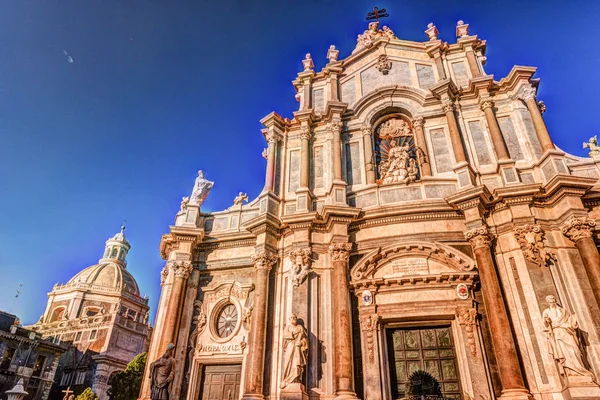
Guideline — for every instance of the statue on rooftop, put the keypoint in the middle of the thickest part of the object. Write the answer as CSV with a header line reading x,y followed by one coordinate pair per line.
x,y
240,199
201,189
593,146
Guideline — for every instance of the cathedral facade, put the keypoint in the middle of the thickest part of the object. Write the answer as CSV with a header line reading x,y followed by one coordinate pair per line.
x,y
419,233
101,317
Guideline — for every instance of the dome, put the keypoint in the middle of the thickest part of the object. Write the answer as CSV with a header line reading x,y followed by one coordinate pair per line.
x,y
107,274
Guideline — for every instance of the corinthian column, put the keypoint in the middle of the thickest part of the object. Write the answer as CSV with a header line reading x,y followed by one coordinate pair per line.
x,y
457,145
497,138
181,271
541,131
335,129
304,157
342,333
272,139
580,231
511,376
422,154
255,360
369,161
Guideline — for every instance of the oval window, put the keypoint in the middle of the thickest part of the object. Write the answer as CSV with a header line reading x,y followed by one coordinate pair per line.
x,y
227,320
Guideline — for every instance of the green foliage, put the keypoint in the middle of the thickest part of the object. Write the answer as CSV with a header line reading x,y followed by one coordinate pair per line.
x,y
125,385
87,394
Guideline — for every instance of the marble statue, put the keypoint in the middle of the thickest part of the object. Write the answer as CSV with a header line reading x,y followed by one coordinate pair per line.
x,y
389,33
162,372
201,189
593,146
295,342
184,202
240,199
561,330
300,265
399,167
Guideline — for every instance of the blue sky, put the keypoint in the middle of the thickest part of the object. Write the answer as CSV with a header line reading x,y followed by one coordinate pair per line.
x,y
159,89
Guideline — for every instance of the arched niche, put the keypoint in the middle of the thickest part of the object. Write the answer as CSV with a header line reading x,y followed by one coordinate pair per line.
x,y
411,100
411,259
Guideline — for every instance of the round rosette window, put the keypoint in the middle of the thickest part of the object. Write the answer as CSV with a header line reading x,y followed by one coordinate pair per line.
x,y
227,320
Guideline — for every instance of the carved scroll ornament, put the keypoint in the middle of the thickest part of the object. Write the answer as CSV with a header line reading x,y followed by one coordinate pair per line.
x,y
264,260
468,319
531,238
479,237
301,262
340,251
369,324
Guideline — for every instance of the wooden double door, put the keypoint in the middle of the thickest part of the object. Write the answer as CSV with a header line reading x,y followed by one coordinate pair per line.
x,y
221,382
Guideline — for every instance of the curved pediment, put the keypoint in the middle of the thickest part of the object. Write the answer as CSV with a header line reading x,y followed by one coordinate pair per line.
x,y
409,259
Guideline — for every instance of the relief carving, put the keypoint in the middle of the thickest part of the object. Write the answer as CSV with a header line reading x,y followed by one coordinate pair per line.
x,y
198,324
532,240
247,318
369,325
181,269
301,262
384,64
468,319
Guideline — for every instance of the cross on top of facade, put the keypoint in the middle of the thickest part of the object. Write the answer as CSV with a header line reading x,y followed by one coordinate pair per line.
x,y
377,13
67,392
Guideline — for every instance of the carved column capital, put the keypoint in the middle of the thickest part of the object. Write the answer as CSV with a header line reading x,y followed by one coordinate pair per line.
x,y
485,103
367,130
181,269
468,319
305,133
418,122
579,228
272,137
526,93
340,251
448,106
335,127
264,260
479,237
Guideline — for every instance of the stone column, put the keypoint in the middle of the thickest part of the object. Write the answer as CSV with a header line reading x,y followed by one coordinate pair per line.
x,y
457,145
497,138
272,139
509,368
335,129
580,231
422,154
181,271
304,156
342,332
369,160
538,121
255,359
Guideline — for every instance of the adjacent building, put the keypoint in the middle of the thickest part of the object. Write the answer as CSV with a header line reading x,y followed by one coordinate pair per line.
x,y
103,318
25,355
417,220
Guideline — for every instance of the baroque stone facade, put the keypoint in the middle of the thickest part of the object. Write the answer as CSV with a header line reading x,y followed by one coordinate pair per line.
x,y
416,218
100,315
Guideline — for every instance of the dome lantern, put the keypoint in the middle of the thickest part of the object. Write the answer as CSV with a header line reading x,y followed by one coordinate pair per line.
x,y
116,248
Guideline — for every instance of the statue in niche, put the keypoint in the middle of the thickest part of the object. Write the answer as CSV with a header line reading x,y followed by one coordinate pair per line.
x,y
563,344
162,372
300,266
295,347
593,146
201,189
399,167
